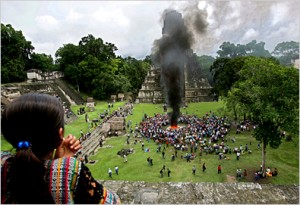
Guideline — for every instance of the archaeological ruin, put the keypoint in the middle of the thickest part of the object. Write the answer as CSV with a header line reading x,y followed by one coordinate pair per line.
x,y
196,89
174,67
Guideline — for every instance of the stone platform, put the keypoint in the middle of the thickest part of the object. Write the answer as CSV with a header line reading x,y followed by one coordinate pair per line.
x,y
203,193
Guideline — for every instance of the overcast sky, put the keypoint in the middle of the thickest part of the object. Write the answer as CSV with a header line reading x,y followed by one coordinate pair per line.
x,y
134,25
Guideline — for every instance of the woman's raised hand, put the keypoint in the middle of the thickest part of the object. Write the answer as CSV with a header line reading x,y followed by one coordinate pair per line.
x,y
69,147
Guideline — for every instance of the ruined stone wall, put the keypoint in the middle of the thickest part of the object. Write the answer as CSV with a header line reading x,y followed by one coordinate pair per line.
x,y
117,123
203,193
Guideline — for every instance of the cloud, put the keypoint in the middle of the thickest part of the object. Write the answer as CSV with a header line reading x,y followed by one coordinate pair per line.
x,y
46,46
279,12
115,17
74,16
133,26
47,22
250,35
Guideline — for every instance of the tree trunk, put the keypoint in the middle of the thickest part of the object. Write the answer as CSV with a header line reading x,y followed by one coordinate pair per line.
x,y
77,85
263,152
235,115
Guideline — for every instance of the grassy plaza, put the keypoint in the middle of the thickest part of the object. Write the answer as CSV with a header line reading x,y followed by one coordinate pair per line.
x,y
285,158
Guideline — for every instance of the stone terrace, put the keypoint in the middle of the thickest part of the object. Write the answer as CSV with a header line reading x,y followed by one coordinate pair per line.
x,y
203,193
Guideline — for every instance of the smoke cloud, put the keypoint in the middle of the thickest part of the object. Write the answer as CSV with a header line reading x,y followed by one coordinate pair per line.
x,y
269,21
204,25
170,52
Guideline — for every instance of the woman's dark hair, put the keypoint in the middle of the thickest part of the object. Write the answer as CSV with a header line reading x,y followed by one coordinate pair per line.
x,y
35,118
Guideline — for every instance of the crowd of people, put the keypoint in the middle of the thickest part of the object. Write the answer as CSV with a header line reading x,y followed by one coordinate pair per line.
x,y
206,134
193,135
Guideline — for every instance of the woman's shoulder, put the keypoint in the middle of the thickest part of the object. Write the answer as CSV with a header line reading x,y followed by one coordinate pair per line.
x,y
5,155
6,160
72,159
64,164
64,160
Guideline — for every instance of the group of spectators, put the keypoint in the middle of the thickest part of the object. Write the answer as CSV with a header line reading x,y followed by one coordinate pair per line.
x,y
193,133
268,172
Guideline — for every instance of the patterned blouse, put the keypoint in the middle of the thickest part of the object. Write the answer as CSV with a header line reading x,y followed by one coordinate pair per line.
x,y
68,179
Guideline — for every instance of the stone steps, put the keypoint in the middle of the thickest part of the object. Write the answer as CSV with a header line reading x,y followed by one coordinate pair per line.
x,y
91,143
69,91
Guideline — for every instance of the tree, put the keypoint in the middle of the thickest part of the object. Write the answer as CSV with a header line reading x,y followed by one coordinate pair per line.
x,y
205,63
287,52
42,62
87,61
225,73
147,59
15,54
135,70
67,55
93,67
229,50
257,49
72,74
67,60
89,69
116,81
97,48
269,94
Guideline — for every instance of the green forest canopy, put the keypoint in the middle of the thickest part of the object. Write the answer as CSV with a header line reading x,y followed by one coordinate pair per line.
x,y
92,66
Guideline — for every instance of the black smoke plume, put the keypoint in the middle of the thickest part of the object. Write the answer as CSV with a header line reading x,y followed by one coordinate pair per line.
x,y
170,55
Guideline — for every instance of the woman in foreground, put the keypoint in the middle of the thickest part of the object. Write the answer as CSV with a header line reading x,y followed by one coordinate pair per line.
x,y
43,169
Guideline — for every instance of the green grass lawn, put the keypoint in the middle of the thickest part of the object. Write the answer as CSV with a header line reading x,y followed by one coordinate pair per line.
x,y
285,158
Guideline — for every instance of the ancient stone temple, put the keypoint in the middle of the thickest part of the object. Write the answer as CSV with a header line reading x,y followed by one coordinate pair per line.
x,y
151,91
175,73
197,89
196,86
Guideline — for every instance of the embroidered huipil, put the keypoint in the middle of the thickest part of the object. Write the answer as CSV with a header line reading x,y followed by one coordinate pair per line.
x,y
68,179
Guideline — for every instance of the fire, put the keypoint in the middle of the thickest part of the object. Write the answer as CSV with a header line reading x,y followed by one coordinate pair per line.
x,y
174,127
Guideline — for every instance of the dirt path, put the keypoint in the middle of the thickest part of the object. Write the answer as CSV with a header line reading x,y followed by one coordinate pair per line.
x,y
231,178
